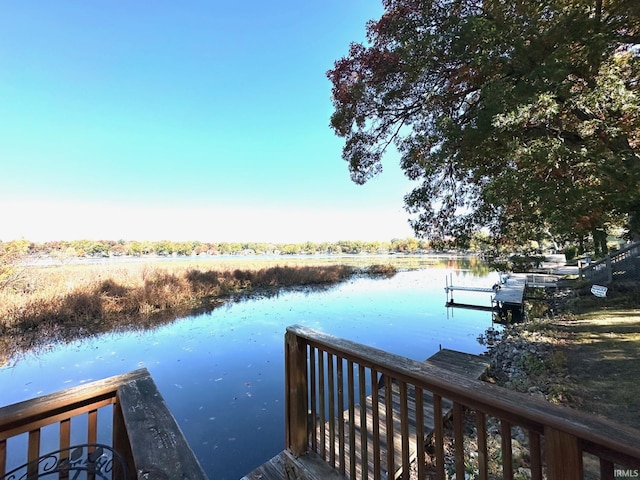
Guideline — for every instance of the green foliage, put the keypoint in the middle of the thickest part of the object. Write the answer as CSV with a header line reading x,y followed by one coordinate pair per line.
x,y
524,263
64,251
523,117
570,252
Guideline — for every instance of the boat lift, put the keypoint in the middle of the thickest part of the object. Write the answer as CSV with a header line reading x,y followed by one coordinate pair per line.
x,y
450,288
507,294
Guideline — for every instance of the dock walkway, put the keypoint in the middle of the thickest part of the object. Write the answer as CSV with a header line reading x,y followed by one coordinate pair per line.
x,y
511,292
471,366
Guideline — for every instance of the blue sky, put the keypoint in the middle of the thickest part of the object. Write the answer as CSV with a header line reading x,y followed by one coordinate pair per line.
x,y
203,120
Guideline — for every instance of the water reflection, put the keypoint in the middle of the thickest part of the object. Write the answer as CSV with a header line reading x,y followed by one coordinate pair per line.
x,y
222,372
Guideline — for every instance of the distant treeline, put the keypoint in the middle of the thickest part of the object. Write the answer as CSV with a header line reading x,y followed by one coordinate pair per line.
x,y
108,248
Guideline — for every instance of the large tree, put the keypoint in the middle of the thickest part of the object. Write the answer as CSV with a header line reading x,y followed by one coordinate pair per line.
x,y
521,115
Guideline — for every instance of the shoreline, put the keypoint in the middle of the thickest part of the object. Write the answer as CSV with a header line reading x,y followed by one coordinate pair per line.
x,y
582,356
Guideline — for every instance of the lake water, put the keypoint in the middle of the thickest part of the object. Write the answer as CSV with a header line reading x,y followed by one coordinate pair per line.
x,y
222,373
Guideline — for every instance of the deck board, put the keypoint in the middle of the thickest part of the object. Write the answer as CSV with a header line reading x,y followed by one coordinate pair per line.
x,y
472,366
272,469
510,293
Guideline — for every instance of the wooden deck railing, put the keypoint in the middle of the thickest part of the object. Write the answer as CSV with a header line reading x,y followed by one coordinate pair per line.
x,y
326,376
143,433
604,270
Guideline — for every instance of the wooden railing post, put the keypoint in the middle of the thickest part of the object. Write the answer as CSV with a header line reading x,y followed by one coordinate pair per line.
x,y
609,268
121,444
296,394
581,273
564,458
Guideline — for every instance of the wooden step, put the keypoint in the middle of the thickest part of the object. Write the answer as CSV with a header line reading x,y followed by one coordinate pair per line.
x,y
285,466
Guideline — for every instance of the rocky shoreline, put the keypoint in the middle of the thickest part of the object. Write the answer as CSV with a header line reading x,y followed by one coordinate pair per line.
x,y
526,357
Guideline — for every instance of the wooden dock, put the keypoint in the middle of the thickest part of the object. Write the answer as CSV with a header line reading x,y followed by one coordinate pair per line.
x,y
511,292
471,366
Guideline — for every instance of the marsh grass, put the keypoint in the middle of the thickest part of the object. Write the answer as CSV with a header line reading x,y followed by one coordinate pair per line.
x,y
69,302
385,270
72,295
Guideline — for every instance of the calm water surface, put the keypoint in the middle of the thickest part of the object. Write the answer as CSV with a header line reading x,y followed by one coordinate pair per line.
x,y
222,373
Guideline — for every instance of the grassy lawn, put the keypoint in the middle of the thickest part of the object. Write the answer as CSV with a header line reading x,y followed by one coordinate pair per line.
x,y
598,343
603,362
588,354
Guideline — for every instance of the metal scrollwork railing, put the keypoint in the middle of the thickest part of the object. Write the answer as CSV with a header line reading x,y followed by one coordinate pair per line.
x,y
79,462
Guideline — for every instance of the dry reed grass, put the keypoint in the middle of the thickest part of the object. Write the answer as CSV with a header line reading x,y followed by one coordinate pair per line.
x,y
68,302
80,295
61,304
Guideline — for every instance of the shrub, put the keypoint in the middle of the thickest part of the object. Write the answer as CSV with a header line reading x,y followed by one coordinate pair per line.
x,y
570,252
387,270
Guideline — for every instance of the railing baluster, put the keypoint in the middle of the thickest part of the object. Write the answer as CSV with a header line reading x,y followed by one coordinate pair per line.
x,y
507,457
458,438
321,394
422,471
352,420
388,401
332,414
606,470
536,455
3,457
364,441
438,436
312,394
375,416
404,428
33,454
65,442
121,443
92,434
65,433
92,427
481,427
340,413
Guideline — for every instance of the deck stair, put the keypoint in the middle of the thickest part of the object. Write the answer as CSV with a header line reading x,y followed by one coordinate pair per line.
x,y
472,366
618,265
